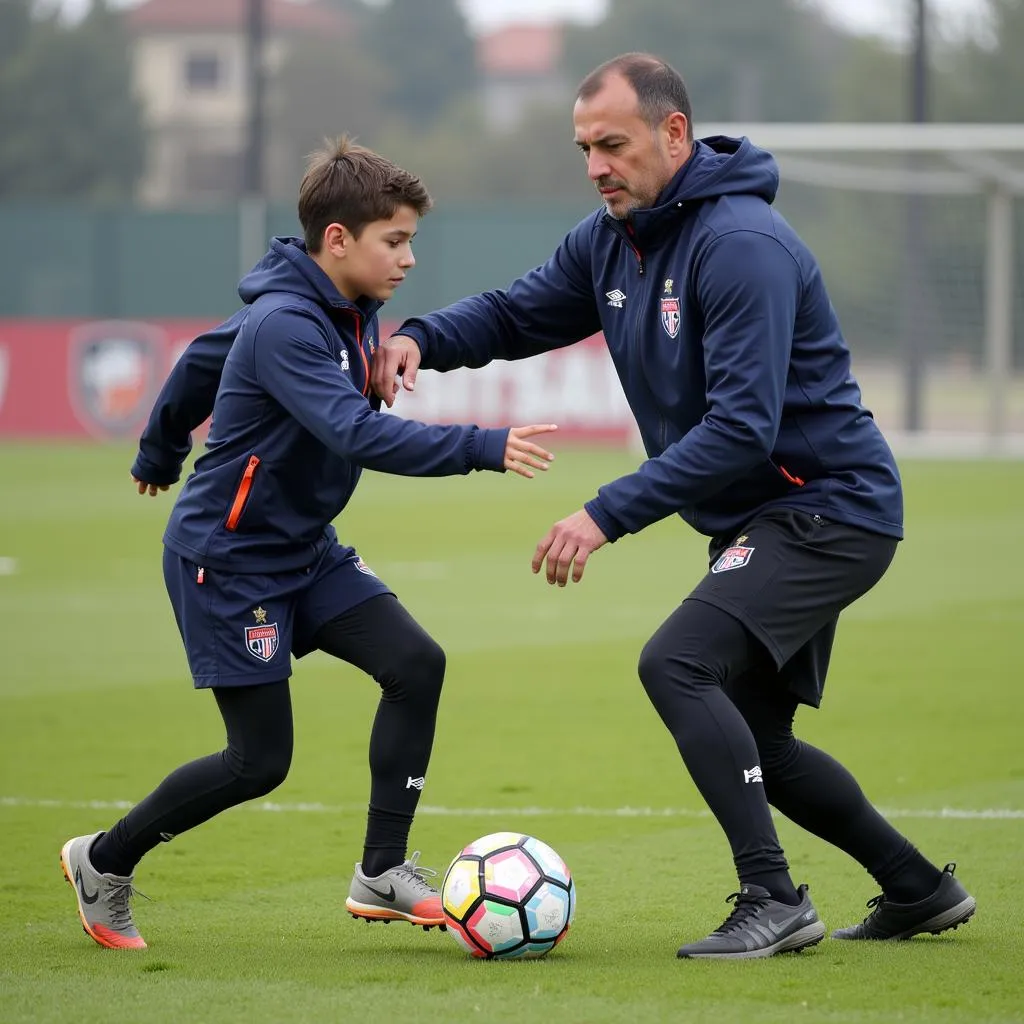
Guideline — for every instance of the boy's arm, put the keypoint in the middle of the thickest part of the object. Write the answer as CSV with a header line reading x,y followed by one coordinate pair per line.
x,y
748,288
549,307
185,401
294,364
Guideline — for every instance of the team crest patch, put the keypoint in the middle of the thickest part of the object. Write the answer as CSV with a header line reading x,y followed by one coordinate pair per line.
x,y
364,568
262,641
670,315
732,558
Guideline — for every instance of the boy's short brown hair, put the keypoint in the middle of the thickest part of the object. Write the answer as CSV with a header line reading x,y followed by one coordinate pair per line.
x,y
351,185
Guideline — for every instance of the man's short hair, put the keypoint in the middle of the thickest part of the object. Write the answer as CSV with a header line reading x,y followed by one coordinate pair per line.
x,y
351,185
659,88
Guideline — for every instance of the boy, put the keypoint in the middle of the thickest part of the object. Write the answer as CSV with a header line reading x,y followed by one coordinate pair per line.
x,y
253,567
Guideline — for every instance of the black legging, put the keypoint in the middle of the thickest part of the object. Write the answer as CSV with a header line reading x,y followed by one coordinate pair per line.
x,y
381,638
718,692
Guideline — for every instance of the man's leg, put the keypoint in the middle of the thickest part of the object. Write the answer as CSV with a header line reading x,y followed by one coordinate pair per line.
x,y
380,637
817,793
684,667
255,761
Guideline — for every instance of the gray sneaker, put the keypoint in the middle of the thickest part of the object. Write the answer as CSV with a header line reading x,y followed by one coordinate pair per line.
x,y
760,926
103,900
401,893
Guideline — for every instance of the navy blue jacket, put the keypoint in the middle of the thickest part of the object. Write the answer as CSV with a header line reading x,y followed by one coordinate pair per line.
x,y
287,380
726,344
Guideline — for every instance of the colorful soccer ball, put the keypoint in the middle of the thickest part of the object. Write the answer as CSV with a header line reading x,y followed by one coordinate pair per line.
x,y
508,896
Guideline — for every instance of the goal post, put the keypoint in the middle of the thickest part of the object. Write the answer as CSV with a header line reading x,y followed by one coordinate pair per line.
x,y
914,226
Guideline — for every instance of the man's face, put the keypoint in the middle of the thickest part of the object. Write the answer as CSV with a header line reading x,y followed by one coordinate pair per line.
x,y
376,262
627,160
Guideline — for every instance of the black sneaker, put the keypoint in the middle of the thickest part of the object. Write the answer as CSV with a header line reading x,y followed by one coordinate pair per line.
x,y
760,926
948,907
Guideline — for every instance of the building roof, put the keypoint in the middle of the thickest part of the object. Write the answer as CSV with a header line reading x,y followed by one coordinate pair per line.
x,y
308,16
524,49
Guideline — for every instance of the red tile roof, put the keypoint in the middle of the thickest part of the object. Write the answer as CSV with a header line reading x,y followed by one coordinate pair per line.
x,y
231,16
523,49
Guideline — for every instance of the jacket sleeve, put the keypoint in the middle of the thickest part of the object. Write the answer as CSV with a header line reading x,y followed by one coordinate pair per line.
x,y
185,401
549,307
747,286
294,364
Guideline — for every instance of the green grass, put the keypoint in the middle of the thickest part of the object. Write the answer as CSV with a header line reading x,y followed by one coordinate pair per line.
x,y
542,710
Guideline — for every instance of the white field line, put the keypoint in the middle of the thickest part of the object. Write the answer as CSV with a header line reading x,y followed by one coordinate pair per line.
x,y
267,806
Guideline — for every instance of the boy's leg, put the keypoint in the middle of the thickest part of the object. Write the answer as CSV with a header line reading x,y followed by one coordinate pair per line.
x,y
255,761
380,637
237,632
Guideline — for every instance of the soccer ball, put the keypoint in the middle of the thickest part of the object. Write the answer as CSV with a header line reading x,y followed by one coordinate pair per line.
x,y
508,896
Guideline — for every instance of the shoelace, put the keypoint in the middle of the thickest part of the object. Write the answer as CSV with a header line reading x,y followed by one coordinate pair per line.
x,y
746,906
118,899
418,875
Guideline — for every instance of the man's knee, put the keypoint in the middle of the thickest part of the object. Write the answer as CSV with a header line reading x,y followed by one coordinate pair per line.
x,y
261,773
666,666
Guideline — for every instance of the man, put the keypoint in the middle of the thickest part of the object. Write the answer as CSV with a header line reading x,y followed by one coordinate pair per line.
x,y
732,360
253,566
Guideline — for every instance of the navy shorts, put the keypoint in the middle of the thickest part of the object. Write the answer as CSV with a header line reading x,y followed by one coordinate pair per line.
x,y
241,629
786,577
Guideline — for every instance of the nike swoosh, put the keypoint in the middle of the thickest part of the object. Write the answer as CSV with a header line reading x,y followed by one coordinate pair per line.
x,y
776,928
86,898
389,895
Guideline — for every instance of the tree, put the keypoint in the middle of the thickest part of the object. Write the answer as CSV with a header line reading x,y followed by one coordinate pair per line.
x,y
70,124
426,48
768,60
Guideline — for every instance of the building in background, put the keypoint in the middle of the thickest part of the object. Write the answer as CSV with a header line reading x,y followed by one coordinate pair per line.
x,y
521,66
190,71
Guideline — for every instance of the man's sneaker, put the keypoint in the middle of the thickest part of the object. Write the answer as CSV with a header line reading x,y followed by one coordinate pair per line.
x,y
401,893
103,900
759,926
949,906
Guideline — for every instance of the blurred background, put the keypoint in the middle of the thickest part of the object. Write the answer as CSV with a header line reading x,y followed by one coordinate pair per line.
x,y
150,148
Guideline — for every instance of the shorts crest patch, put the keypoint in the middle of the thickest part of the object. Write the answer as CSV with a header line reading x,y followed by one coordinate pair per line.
x,y
262,641
732,558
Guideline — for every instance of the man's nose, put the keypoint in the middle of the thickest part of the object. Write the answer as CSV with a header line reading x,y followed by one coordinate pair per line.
x,y
597,166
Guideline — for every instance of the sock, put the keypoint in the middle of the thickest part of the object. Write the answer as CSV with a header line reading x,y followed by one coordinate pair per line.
x,y
908,877
387,836
778,883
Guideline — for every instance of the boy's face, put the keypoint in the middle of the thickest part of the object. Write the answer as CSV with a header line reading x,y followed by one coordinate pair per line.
x,y
375,263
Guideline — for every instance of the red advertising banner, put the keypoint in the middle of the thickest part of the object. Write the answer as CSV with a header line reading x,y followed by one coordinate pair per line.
x,y
98,378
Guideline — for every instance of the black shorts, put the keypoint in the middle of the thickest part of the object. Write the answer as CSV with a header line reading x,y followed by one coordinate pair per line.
x,y
786,577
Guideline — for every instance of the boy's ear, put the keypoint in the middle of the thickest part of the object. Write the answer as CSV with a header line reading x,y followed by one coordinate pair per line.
x,y
337,239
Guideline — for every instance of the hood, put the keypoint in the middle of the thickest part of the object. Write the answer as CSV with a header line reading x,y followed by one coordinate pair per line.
x,y
287,267
718,166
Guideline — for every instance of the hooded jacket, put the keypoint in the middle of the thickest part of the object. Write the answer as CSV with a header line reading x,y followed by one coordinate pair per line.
x,y
726,344
287,380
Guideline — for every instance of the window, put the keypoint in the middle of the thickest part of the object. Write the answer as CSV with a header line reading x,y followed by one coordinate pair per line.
x,y
203,72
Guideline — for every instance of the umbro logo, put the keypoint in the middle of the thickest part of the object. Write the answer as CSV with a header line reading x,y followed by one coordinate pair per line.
x,y
415,783
86,898
616,298
753,775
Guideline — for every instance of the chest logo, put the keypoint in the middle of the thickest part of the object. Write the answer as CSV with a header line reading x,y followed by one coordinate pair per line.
x,y
670,317
616,298
343,359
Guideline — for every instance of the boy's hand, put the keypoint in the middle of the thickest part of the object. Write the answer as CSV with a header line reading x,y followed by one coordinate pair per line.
x,y
522,456
151,488
398,355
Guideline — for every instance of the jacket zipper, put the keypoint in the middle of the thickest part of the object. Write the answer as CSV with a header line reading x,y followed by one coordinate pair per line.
x,y
362,354
242,494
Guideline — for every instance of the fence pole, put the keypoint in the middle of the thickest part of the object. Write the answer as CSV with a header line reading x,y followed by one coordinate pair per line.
x,y
999,257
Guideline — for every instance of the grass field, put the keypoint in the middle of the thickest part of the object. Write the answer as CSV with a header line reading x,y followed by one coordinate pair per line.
x,y
544,728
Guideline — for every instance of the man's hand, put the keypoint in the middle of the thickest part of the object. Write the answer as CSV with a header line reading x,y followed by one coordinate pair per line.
x,y
521,455
151,488
398,355
568,543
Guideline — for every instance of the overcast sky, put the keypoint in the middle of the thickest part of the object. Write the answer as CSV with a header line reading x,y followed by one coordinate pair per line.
x,y
887,16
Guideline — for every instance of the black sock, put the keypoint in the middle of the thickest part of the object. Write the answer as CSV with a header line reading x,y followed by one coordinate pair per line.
x,y
778,883
387,835
909,877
